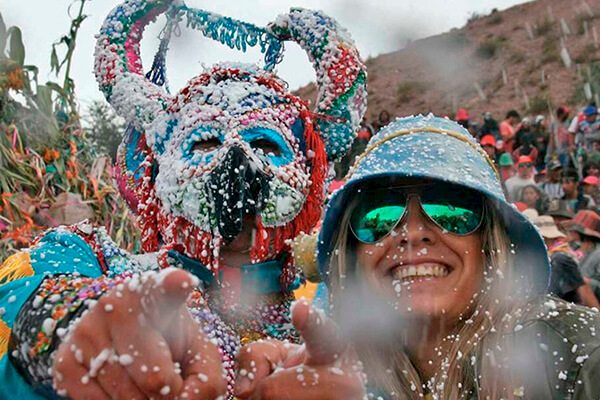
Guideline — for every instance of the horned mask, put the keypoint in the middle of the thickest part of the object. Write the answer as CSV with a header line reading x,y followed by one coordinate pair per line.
x,y
233,143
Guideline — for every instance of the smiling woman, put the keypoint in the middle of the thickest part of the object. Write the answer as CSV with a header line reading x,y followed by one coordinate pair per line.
x,y
437,284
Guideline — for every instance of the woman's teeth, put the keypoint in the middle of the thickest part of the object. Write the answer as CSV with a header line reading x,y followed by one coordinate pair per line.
x,y
420,271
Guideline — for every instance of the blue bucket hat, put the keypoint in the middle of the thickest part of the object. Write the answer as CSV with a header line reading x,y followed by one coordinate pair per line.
x,y
437,149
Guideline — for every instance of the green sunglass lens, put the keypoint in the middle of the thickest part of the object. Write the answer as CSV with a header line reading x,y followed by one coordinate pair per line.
x,y
370,225
454,219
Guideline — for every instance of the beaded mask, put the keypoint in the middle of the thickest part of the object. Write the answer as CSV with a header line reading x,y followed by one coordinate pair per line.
x,y
233,144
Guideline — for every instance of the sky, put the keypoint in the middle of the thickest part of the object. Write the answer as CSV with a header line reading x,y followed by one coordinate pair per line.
x,y
378,26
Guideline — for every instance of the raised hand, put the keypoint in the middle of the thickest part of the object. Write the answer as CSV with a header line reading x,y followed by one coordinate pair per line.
x,y
140,342
324,367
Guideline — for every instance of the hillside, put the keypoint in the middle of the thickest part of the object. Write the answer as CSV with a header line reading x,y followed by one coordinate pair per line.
x,y
507,59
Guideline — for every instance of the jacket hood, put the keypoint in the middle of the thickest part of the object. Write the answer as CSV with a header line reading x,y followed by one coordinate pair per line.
x,y
437,149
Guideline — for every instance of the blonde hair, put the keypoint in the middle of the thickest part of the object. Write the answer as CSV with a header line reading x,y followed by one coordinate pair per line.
x,y
494,311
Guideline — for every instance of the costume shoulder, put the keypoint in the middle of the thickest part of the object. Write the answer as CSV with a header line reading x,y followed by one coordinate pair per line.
x,y
562,341
81,249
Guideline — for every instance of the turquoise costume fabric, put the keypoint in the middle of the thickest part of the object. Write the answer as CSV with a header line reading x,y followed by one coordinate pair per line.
x,y
60,250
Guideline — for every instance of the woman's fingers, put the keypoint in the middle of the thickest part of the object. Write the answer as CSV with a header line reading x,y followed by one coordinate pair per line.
x,y
204,377
307,383
257,361
321,335
114,379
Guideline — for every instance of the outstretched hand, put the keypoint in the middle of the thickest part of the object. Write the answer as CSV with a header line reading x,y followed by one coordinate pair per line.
x,y
324,367
140,342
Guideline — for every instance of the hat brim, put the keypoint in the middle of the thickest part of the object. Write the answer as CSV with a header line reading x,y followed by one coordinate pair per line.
x,y
552,233
582,230
434,156
561,213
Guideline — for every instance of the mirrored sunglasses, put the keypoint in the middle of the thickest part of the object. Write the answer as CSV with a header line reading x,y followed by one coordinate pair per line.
x,y
379,211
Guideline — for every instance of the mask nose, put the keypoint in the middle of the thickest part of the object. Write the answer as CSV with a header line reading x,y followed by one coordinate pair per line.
x,y
238,188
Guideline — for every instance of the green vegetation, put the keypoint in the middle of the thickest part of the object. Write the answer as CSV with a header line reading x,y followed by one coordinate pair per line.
x,y
578,96
104,128
542,28
490,47
550,51
540,105
407,90
581,20
45,154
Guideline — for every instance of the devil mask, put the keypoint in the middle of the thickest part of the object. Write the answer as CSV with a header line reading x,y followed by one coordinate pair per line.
x,y
233,144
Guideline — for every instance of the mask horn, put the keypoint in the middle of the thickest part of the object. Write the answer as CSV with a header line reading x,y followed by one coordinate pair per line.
x,y
341,74
118,65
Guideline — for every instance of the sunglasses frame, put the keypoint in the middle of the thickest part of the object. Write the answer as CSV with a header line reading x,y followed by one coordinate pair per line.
x,y
422,210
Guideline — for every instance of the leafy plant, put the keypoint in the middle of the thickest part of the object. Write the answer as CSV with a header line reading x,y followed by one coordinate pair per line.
x,y
44,151
104,128
490,47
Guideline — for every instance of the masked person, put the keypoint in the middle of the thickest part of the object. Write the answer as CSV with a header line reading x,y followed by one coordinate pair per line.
x,y
451,284
222,176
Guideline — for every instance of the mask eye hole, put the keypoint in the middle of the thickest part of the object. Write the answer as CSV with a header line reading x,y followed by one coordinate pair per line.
x,y
206,145
268,147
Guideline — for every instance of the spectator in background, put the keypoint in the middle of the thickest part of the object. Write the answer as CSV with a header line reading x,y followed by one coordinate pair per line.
x,y
592,168
488,142
561,142
507,130
566,280
559,211
574,125
552,186
584,232
574,195
590,187
533,196
507,166
540,140
524,133
587,135
490,126
383,119
526,149
462,117
363,136
524,177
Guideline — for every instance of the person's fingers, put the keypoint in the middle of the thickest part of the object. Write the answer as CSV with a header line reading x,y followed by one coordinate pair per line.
x,y
257,361
307,383
144,307
164,294
114,379
72,379
147,359
321,335
202,370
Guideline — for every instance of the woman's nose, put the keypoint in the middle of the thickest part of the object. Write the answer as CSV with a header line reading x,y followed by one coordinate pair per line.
x,y
416,228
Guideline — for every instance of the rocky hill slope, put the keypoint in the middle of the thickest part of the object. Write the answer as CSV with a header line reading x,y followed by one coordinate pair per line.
x,y
532,57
